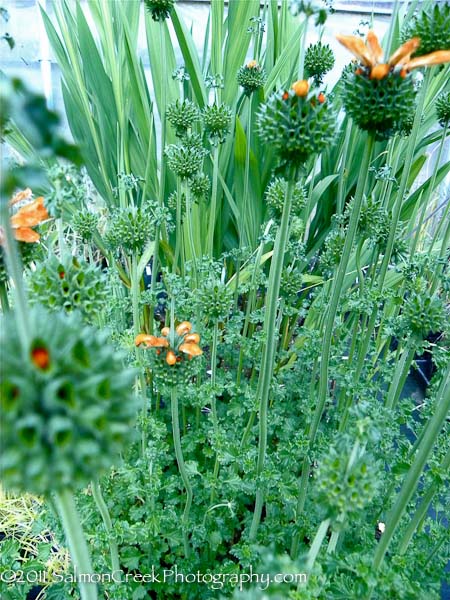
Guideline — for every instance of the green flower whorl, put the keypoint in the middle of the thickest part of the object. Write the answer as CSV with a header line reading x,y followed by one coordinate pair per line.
x,y
379,106
130,228
182,116
251,77
67,407
217,120
199,185
296,127
159,9
443,109
432,27
70,284
276,194
85,223
319,59
185,160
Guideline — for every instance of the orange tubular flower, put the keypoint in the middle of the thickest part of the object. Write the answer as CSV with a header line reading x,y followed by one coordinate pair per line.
x,y
185,343
301,88
28,216
370,54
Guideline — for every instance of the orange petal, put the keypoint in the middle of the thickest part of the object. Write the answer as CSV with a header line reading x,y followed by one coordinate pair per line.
x,y
31,214
190,349
405,50
25,234
40,357
192,337
374,46
301,88
171,358
183,328
358,48
379,71
165,331
23,195
435,58
151,341
252,64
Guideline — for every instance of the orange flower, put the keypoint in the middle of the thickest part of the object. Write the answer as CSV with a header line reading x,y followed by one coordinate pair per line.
x,y
370,54
151,341
28,216
185,342
301,88
252,64
40,357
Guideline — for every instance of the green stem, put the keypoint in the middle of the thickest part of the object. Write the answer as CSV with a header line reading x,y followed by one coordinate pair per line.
x,y
104,512
431,432
4,303
401,373
15,271
268,355
213,209
78,547
181,466
337,286
317,543
422,509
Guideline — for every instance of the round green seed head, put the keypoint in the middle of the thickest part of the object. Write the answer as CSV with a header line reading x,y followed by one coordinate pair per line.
x,y
296,127
251,77
159,9
443,109
70,284
85,223
67,404
319,59
182,116
379,106
432,26
217,120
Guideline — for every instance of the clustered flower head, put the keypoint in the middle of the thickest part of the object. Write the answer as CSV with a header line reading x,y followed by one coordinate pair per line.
x,y
130,228
186,159
174,350
319,59
432,27
380,93
159,9
251,77
27,216
70,284
67,403
217,120
296,123
85,223
443,109
184,344
182,116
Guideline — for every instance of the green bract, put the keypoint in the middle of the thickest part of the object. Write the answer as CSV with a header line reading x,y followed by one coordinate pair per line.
x,y
319,59
69,284
67,404
217,119
159,9
182,115
296,127
443,109
432,26
380,106
251,78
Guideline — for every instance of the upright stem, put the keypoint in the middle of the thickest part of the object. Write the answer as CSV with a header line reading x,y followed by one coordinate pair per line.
x,y
337,286
78,547
104,512
181,466
317,543
15,271
213,209
269,350
4,303
431,432
401,373
213,400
